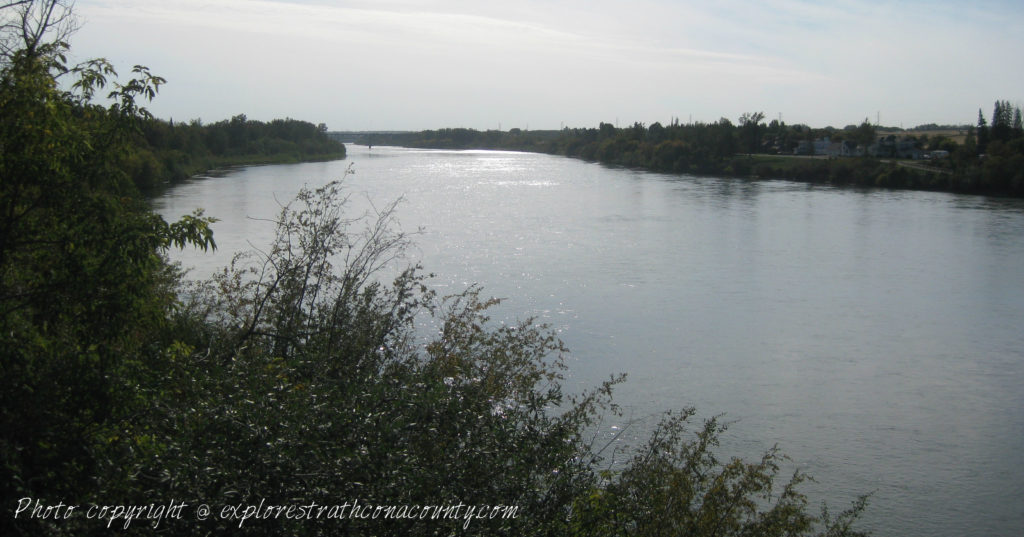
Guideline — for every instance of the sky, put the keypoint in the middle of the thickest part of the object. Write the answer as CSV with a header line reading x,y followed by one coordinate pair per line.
x,y
415,64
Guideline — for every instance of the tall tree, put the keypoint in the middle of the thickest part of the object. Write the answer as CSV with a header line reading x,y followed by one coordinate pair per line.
x,y
1002,121
983,133
864,135
750,129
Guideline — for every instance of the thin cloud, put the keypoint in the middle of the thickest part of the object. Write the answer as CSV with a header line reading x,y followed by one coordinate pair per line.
x,y
419,64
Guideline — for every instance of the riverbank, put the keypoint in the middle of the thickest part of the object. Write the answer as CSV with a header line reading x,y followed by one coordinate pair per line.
x,y
712,150
221,166
860,172
164,152
210,164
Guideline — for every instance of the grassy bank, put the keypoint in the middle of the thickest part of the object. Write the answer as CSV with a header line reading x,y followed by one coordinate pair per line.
x,y
204,165
856,171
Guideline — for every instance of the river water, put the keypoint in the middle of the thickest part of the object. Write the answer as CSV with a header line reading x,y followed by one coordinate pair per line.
x,y
876,336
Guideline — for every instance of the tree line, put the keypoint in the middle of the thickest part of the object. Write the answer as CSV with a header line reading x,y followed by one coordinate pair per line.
x,y
167,152
296,376
990,161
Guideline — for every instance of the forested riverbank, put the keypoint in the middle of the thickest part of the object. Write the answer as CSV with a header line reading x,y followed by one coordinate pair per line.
x,y
990,160
163,151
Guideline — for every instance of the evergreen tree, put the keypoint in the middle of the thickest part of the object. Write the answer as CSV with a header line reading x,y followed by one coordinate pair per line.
x,y
983,133
1002,121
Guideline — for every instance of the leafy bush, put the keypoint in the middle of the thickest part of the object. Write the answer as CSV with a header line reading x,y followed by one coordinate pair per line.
x,y
82,285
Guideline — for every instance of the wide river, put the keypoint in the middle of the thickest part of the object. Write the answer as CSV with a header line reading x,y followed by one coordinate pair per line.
x,y
876,336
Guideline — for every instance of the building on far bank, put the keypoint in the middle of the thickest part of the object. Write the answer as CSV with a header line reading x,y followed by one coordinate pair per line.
x,y
826,147
892,147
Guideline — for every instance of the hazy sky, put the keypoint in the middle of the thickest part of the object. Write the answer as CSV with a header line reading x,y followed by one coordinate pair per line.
x,y
413,64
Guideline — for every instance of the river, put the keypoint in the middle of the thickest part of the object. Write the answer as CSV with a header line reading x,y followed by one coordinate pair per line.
x,y
876,336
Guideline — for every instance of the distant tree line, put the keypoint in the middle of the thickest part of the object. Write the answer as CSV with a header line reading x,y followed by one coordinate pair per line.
x,y
991,160
165,151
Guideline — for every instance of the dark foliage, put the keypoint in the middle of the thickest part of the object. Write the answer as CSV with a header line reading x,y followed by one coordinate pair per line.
x,y
722,148
167,152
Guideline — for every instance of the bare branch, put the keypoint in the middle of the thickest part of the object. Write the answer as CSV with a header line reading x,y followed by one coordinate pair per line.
x,y
35,27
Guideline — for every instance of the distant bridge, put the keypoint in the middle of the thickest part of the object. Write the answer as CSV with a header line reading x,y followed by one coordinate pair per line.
x,y
360,137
